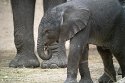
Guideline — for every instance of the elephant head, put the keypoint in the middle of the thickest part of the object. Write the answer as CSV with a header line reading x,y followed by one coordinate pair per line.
x,y
58,25
48,33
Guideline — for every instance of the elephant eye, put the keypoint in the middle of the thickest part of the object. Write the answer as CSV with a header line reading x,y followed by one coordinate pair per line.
x,y
46,31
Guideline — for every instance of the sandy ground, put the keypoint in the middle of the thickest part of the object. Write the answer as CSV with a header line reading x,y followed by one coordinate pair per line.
x,y
37,75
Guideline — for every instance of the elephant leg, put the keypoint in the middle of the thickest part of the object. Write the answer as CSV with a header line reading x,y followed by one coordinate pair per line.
x,y
83,67
109,75
49,4
73,63
77,46
59,58
23,15
121,59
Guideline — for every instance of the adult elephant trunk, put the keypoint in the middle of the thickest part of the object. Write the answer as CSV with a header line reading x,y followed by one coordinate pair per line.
x,y
41,49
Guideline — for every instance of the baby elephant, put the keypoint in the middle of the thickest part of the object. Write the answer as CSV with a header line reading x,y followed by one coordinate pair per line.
x,y
84,22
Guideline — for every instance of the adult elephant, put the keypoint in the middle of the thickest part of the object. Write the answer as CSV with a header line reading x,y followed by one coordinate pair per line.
x,y
83,22
23,15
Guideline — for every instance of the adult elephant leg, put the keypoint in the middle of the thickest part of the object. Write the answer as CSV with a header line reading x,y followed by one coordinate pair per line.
x,y
49,4
109,75
23,15
83,67
59,58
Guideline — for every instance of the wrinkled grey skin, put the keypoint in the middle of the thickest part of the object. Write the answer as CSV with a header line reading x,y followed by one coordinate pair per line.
x,y
123,5
23,15
88,22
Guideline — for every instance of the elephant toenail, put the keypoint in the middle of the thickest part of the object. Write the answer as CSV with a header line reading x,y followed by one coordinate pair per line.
x,y
53,66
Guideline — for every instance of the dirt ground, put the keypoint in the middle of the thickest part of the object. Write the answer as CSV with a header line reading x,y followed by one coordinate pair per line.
x,y
37,75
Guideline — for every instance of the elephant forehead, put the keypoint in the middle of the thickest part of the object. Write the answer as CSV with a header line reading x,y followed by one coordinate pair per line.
x,y
49,20
49,23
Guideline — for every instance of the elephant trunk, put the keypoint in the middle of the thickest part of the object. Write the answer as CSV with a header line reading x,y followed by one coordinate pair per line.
x,y
41,49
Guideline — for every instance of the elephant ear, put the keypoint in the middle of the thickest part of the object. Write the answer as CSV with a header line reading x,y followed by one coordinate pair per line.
x,y
73,21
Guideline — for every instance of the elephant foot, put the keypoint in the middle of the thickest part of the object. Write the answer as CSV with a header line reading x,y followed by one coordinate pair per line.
x,y
119,71
55,62
25,60
86,80
70,81
105,79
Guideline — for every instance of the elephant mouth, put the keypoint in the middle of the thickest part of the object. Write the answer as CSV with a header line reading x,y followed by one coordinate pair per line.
x,y
45,48
47,51
51,48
